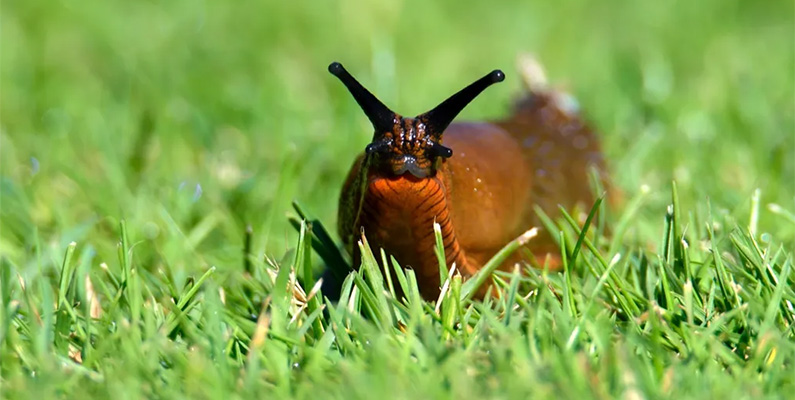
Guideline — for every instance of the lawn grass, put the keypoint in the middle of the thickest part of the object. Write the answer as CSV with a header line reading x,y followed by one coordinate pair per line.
x,y
151,152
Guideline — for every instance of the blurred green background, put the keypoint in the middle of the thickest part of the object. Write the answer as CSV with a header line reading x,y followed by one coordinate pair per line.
x,y
192,119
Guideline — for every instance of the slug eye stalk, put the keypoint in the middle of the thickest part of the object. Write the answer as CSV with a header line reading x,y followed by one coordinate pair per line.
x,y
410,144
442,115
435,120
382,118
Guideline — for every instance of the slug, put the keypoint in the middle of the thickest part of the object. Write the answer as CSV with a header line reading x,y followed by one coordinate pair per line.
x,y
478,180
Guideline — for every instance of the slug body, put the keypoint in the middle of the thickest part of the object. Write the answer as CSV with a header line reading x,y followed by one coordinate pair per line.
x,y
482,197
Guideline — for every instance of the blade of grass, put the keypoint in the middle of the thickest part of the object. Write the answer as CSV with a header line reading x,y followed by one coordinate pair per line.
x,y
477,280
584,230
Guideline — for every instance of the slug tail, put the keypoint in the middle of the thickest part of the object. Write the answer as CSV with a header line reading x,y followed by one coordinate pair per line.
x,y
560,147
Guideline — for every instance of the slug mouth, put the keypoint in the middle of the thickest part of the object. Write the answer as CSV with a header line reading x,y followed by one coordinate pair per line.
x,y
409,164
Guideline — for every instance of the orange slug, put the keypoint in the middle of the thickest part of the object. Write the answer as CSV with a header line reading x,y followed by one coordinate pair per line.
x,y
478,180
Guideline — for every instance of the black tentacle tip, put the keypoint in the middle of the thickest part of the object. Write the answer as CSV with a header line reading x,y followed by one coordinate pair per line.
x,y
336,68
377,147
495,76
441,151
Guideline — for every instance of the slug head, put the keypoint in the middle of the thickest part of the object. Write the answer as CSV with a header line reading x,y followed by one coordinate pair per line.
x,y
411,145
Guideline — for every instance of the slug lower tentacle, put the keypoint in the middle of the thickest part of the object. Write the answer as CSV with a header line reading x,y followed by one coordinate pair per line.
x,y
480,185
